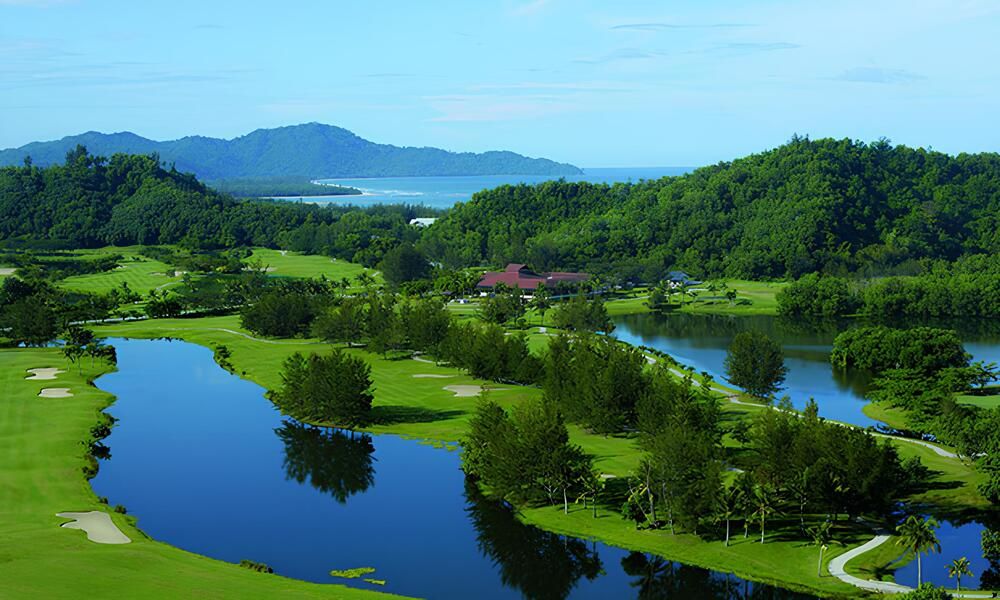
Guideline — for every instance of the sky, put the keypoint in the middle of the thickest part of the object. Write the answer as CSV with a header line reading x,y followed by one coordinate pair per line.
x,y
594,83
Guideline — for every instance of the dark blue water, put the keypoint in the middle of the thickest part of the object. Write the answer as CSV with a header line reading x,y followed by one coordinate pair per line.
x,y
206,464
444,192
957,540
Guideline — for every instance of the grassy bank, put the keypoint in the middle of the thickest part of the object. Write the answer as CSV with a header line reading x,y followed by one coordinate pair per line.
x,y
43,456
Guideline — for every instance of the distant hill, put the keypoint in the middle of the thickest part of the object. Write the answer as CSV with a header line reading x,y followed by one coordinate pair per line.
x,y
312,150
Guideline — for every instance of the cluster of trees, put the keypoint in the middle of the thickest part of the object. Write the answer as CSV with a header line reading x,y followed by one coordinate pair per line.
x,y
596,381
488,352
795,465
755,363
969,287
526,457
582,313
876,349
33,312
335,388
833,206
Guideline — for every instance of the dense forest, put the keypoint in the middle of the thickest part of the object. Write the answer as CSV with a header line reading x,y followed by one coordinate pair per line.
x,y
311,150
842,208
129,199
835,206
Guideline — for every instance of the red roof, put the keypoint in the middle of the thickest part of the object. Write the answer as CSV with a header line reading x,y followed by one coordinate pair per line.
x,y
519,276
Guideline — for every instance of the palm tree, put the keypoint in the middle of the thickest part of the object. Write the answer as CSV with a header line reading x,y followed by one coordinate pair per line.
x,y
957,568
917,536
766,505
821,537
541,301
730,503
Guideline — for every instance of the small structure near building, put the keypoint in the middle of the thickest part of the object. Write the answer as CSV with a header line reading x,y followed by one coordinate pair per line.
x,y
680,279
518,276
422,221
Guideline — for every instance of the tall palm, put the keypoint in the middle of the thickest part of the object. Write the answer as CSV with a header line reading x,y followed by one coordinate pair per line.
x,y
541,301
917,535
957,568
822,537
730,504
766,503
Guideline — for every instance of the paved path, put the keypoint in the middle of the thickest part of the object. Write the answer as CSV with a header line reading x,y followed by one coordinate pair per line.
x,y
883,587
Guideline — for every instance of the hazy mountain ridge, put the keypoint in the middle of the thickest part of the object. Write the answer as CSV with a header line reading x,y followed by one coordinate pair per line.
x,y
311,150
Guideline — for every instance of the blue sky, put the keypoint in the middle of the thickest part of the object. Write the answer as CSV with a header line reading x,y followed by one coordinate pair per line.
x,y
593,83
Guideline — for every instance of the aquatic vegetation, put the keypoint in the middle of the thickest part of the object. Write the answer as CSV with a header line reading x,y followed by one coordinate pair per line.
x,y
353,573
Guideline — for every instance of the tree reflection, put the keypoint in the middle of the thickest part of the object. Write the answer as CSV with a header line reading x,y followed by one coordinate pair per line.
x,y
659,579
336,462
540,564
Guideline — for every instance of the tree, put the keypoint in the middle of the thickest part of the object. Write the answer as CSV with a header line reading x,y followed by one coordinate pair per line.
x,y
730,503
541,301
917,535
765,503
336,388
404,263
755,363
958,568
821,536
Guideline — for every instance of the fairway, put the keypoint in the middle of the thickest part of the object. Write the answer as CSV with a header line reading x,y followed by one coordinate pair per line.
x,y
43,458
292,264
140,273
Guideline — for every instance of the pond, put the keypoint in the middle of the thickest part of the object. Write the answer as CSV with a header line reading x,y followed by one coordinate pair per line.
x,y
701,341
207,464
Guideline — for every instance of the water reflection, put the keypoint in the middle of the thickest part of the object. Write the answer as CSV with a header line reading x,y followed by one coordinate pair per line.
x,y
540,564
335,462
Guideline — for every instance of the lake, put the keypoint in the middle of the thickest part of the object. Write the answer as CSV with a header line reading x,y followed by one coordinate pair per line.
x,y
702,340
444,192
207,464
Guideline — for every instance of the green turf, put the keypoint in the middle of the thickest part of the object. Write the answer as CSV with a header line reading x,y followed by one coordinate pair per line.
x,y
293,264
988,399
142,275
42,458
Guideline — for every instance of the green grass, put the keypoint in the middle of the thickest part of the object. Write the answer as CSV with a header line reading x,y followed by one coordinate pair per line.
x,y
752,298
784,560
893,417
42,458
142,275
293,264
988,399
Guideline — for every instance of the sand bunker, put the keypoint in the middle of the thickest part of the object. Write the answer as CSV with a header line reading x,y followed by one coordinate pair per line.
x,y
464,391
98,525
44,373
430,376
54,393
6,271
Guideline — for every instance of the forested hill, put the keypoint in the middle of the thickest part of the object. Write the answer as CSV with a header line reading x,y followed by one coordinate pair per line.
x,y
312,150
88,201
827,205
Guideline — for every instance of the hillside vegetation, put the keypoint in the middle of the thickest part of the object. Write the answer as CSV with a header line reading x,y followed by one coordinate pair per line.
x,y
311,150
836,206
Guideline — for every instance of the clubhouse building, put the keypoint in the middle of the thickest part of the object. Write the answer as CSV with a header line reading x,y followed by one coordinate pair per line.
x,y
518,276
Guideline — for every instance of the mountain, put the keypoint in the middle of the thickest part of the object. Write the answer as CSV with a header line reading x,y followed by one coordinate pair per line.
x,y
312,150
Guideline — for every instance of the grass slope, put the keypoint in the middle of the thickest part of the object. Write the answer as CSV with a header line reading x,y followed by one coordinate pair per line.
x,y
293,264
42,458
142,275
